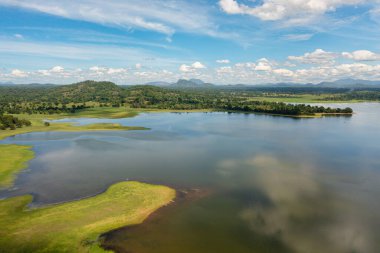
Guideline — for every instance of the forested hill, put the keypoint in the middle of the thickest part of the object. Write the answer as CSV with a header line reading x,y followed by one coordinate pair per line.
x,y
79,96
102,92
92,91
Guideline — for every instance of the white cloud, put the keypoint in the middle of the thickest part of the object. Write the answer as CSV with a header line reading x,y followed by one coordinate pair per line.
x,y
185,68
319,56
284,72
263,67
224,70
224,61
261,71
18,36
198,65
191,68
18,73
57,69
362,55
264,64
116,71
96,68
295,11
138,65
161,16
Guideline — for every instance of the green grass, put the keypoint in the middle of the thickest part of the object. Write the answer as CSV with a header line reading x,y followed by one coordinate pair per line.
x,y
76,226
103,112
13,158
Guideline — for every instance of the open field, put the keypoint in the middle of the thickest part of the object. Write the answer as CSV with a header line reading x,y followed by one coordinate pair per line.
x,y
76,226
104,112
303,98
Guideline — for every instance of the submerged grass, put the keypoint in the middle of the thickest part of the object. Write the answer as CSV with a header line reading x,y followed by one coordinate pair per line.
x,y
76,226
13,158
68,127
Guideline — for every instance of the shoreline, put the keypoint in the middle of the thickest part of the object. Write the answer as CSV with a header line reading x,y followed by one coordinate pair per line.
x,y
76,226
13,160
69,127
114,240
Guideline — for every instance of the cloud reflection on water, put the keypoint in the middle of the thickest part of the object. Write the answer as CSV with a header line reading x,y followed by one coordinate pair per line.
x,y
306,214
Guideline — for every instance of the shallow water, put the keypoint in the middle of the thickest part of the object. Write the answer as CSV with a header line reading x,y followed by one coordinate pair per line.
x,y
273,184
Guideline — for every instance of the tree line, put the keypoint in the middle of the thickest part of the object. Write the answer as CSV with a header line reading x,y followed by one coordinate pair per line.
x,y
12,122
54,99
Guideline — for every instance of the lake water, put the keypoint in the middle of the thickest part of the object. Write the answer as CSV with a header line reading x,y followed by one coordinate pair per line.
x,y
255,183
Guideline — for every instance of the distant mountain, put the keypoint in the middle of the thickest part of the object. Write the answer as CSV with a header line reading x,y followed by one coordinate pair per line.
x,y
192,83
341,83
6,83
158,83
91,91
350,83
196,81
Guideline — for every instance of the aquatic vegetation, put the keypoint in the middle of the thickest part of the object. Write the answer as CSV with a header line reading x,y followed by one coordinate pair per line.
x,y
76,226
13,158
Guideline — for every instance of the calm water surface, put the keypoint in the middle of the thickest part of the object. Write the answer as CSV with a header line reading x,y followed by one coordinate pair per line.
x,y
266,184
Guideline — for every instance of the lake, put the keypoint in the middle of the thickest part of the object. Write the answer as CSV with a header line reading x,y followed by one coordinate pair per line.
x,y
246,182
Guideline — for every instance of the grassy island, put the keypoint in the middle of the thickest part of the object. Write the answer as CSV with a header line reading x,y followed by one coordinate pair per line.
x,y
76,226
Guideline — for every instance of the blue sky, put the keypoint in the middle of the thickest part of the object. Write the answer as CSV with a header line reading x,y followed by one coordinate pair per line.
x,y
226,41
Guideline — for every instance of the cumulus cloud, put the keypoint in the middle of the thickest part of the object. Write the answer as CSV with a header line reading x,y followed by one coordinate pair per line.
x,y
198,65
283,72
297,12
116,71
224,61
319,56
18,73
185,68
362,55
191,68
264,64
57,69
317,66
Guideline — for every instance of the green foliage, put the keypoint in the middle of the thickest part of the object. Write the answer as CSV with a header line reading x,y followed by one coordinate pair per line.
x,y
59,99
370,94
12,122
75,98
217,99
